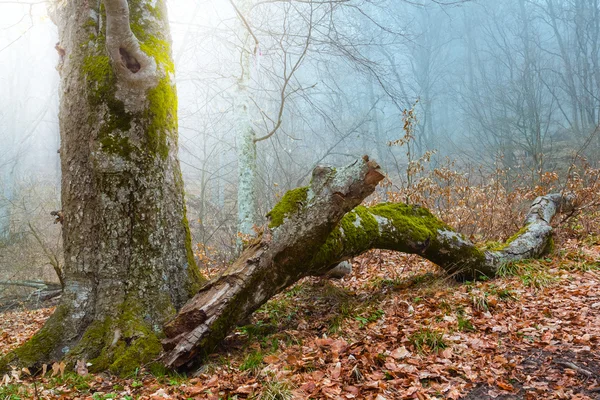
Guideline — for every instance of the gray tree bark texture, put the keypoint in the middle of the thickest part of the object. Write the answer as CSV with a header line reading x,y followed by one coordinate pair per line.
x,y
309,234
128,259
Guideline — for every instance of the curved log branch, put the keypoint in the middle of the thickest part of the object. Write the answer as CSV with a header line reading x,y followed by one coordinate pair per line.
x,y
414,230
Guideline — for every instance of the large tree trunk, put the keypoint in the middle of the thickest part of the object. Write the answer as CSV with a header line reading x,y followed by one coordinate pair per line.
x,y
128,259
309,235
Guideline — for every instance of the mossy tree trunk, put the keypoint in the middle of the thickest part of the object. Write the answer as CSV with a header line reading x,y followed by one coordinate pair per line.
x,y
128,259
308,235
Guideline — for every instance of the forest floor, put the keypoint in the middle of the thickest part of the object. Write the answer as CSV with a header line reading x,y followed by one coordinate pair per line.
x,y
394,329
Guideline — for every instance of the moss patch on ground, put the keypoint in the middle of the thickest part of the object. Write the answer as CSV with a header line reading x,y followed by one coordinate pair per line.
x,y
39,348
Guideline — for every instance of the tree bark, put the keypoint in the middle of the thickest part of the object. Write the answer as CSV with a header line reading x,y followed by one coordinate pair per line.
x,y
311,238
6,198
128,259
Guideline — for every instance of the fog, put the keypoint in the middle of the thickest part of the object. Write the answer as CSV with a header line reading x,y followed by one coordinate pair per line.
x,y
512,84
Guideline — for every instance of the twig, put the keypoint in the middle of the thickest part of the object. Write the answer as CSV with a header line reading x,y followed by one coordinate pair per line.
x,y
247,25
577,368
32,284
575,211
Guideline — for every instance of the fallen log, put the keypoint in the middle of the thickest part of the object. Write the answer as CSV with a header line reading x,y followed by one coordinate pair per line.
x,y
43,291
313,229
299,225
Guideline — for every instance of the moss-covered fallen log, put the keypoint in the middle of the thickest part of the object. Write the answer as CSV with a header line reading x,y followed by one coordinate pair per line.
x,y
313,229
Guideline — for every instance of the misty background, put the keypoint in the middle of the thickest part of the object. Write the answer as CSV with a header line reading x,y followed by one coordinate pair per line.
x,y
511,84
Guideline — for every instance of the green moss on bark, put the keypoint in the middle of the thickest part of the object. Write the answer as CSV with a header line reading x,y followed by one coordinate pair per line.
x,y
499,246
160,50
290,203
359,227
550,246
195,278
414,230
91,23
514,237
162,113
355,232
120,345
145,18
91,345
99,77
417,220
162,99
140,351
101,82
116,122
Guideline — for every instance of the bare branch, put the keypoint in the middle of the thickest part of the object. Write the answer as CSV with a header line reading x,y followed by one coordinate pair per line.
x,y
247,25
283,94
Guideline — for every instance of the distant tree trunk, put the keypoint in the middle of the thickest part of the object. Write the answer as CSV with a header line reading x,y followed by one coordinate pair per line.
x,y
246,144
128,259
12,127
309,235
381,147
6,197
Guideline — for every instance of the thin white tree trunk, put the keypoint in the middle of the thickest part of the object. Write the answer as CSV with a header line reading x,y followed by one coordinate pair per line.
x,y
6,198
245,134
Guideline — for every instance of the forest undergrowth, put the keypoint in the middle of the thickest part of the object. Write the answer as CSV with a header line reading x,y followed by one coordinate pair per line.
x,y
396,327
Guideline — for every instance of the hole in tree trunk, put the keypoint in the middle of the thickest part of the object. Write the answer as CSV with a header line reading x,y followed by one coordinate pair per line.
x,y
130,62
